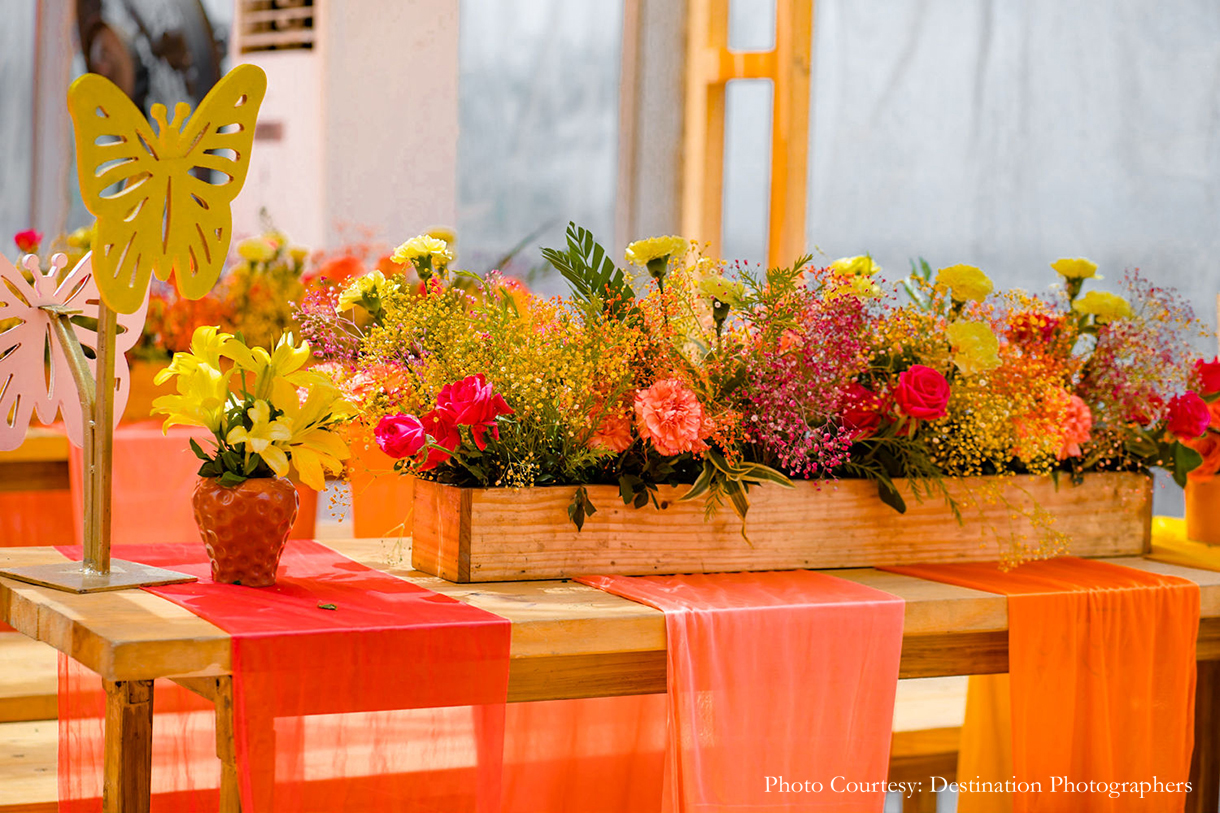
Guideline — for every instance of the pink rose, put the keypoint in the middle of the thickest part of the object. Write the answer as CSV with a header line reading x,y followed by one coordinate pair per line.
x,y
28,241
1077,425
473,402
922,393
1188,416
862,409
669,414
401,435
613,433
1209,375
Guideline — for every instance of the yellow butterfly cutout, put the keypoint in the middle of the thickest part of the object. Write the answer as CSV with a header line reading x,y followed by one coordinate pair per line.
x,y
161,216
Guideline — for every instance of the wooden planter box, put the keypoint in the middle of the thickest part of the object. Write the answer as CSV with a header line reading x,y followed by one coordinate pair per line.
x,y
500,534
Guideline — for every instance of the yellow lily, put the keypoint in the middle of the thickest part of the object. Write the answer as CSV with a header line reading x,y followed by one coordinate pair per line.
x,y
312,444
262,436
278,370
203,392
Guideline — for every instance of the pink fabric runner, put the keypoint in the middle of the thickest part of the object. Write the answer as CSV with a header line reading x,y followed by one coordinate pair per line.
x,y
781,689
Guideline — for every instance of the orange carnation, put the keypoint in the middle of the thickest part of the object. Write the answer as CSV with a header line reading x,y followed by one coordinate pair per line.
x,y
669,414
613,433
1077,425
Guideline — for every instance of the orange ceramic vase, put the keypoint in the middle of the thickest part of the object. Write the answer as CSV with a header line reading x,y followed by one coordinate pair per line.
x,y
245,527
1203,510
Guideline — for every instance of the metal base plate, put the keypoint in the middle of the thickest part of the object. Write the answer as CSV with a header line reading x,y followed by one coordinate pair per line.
x,y
73,578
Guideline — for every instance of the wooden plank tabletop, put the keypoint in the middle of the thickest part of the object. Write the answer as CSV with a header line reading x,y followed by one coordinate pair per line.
x,y
568,640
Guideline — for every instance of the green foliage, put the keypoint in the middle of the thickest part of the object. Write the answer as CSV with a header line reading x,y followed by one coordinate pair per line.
x,y
885,459
916,283
581,508
593,277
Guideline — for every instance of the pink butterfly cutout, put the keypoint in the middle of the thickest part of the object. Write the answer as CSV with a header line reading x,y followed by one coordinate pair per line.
x,y
34,374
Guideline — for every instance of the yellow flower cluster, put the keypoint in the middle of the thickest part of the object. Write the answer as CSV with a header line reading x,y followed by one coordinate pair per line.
x,y
425,251
965,283
975,347
1076,268
1103,306
642,252
292,412
855,277
366,291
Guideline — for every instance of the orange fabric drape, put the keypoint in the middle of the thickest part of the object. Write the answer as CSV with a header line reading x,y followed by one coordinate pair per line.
x,y
154,478
780,689
595,755
985,752
1102,679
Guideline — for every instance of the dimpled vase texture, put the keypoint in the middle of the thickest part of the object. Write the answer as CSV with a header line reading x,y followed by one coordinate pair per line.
x,y
244,527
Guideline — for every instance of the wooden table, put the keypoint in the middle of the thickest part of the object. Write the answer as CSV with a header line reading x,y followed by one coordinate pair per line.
x,y
568,641
38,464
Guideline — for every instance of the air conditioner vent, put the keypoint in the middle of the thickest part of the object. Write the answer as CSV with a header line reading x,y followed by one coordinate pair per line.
x,y
276,25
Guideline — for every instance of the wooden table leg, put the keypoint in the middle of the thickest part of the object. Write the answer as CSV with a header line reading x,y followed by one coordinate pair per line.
x,y
1205,763
127,775
230,792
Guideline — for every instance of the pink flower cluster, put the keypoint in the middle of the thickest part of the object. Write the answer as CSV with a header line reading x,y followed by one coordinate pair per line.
x,y
471,402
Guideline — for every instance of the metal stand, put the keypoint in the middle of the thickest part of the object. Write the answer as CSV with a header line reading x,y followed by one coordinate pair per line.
x,y
96,572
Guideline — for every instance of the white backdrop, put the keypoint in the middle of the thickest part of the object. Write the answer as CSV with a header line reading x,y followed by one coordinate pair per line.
x,y
1007,134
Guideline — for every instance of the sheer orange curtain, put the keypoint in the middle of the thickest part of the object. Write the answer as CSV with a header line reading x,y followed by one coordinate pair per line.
x,y
1102,680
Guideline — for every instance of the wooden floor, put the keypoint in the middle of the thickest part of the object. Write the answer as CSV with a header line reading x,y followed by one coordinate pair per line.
x,y
28,729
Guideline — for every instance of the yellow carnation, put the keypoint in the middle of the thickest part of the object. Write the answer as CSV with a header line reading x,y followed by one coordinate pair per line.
x,y
298,254
1076,268
424,247
371,286
861,266
642,252
730,292
1102,306
965,283
255,249
975,347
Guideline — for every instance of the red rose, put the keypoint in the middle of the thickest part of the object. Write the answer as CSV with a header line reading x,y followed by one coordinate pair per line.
x,y
28,241
1209,375
473,402
922,393
444,433
400,435
862,410
1188,416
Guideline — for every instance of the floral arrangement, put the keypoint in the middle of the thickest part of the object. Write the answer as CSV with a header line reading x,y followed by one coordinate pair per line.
x,y
1208,444
684,370
255,299
266,412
